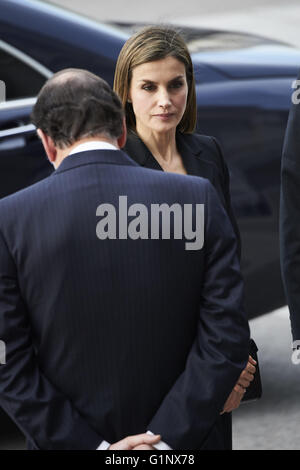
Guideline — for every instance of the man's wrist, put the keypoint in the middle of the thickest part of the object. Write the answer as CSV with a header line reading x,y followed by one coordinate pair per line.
x,y
161,445
104,446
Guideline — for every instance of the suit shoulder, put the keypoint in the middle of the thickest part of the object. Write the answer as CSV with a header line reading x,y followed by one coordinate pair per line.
x,y
23,196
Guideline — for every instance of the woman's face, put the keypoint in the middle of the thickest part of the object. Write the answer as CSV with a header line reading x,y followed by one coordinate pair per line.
x,y
158,93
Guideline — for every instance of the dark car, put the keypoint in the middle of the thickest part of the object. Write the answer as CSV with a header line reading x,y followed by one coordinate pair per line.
x,y
243,93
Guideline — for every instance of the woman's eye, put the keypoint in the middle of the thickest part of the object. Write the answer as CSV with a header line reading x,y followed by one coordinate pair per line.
x,y
148,87
177,84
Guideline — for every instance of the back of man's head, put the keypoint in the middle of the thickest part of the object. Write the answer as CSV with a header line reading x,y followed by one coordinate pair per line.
x,y
75,104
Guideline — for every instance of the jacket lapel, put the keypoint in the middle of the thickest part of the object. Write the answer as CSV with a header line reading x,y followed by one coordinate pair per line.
x,y
137,150
193,155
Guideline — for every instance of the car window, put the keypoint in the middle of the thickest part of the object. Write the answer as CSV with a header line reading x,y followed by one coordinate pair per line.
x,y
21,79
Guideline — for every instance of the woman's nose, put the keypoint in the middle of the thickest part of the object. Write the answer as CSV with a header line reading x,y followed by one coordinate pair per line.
x,y
164,99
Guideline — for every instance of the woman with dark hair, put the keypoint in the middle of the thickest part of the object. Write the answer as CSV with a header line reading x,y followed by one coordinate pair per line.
x,y
154,79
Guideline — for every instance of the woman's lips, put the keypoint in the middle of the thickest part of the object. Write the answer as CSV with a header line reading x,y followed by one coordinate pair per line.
x,y
164,116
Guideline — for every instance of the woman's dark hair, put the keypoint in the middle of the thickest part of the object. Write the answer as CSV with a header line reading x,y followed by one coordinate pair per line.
x,y
74,104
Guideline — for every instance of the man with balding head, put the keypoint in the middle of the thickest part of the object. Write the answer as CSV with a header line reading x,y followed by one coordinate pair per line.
x,y
112,334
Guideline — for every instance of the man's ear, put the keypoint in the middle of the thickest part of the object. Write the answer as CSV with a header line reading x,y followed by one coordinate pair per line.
x,y
122,139
48,145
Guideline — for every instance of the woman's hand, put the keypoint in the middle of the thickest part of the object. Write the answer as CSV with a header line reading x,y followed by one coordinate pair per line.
x,y
247,375
235,397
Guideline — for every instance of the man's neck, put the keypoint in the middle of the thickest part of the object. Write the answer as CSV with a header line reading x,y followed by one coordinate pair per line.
x,y
65,152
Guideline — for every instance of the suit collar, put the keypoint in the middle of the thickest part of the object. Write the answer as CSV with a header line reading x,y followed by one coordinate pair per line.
x,y
110,157
93,145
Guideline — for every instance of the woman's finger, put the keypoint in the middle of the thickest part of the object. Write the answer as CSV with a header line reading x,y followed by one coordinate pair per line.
x,y
252,361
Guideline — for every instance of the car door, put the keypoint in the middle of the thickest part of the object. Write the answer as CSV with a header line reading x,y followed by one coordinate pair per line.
x,y
22,159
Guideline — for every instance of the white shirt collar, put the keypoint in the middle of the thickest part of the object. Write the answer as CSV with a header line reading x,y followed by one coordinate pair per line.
x,y
93,145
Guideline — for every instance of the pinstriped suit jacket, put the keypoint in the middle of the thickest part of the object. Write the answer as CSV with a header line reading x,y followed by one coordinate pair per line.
x,y
108,338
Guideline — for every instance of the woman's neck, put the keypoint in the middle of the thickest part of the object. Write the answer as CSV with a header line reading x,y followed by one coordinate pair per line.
x,y
161,145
